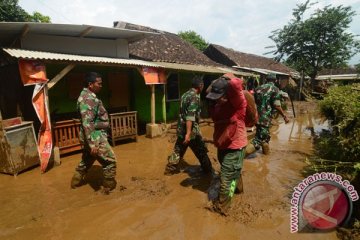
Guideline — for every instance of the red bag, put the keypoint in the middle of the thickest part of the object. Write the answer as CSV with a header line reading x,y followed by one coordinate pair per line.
x,y
251,116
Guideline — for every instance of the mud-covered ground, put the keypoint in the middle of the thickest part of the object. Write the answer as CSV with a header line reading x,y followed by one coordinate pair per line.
x,y
148,205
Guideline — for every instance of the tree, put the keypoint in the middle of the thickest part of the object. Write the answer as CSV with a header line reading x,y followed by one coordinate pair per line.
x,y
38,17
10,11
357,67
195,39
321,41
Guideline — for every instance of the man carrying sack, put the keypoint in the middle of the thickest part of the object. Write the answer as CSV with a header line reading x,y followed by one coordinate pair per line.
x,y
228,110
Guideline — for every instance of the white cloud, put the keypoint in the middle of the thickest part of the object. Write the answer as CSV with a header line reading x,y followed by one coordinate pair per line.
x,y
242,25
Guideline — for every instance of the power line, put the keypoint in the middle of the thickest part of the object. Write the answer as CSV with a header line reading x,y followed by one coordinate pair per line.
x,y
54,11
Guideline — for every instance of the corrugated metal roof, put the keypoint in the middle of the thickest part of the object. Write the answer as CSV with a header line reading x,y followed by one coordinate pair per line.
x,y
339,77
230,70
9,31
40,55
261,70
201,68
27,54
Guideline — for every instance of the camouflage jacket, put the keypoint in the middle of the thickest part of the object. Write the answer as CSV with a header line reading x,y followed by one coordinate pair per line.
x,y
267,96
94,118
189,111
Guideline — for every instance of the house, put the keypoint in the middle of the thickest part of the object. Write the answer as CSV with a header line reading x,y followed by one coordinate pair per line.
x,y
67,52
181,62
251,63
339,76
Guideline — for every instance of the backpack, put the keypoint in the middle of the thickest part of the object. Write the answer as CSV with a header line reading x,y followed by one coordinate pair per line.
x,y
251,116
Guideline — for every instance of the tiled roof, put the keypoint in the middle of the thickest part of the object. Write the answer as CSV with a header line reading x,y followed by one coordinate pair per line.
x,y
337,71
165,47
231,57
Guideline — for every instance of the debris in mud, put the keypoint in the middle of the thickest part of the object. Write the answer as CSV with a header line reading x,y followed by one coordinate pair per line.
x,y
244,208
137,178
143,188
172,138
245,212
348,234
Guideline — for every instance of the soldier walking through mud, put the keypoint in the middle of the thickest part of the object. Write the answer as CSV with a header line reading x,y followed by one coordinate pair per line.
x,y
267,98
93,135
188,131
228,111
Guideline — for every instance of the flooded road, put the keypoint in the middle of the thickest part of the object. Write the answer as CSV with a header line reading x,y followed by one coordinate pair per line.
x,y
149,205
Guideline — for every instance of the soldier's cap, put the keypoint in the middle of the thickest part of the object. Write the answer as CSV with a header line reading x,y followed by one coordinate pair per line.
x,y
197,81
218,89
271,76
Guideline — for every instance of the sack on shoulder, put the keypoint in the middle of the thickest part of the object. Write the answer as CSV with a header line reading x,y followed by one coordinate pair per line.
x,y
251,116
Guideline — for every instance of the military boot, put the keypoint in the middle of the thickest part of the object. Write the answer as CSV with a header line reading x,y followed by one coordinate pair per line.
x,y
171,169
250,148
266,148
78,179
109,184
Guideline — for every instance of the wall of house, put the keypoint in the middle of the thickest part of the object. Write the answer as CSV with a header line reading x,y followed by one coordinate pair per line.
x,y
15,98
121,87
115,93
74,45
141,98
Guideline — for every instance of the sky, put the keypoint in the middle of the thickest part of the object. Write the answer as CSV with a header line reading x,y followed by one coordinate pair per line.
x,y
244,25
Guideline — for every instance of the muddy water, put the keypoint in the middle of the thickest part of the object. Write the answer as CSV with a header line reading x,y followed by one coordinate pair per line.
x,y
149,205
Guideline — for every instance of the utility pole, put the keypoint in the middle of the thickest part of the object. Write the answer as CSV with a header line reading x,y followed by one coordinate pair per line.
x,y
301,83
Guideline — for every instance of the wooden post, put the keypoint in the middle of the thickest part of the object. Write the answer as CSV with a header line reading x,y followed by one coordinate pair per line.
x,y
164,106
1,128
60,75
152,87
301,84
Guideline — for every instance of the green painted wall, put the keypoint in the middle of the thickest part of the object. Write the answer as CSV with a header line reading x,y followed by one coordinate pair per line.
x,y
140,94
141,98
59,99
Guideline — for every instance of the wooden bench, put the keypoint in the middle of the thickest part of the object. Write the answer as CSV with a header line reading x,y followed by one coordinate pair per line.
x,y
123,125
66,135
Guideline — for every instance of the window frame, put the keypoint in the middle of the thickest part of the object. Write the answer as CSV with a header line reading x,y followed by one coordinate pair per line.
x,y
172,77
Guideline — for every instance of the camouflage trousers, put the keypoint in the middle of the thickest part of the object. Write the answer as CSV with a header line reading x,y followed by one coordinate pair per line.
x,y
105,156
197,145
231,161
262,136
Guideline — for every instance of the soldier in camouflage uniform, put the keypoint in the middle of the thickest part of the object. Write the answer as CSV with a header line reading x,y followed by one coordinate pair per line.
x,y
267,98
188,131
93,135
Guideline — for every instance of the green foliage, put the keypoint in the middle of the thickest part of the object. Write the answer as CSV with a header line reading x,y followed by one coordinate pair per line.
x,y
195,39
341,144
321,41
10,11
38,17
